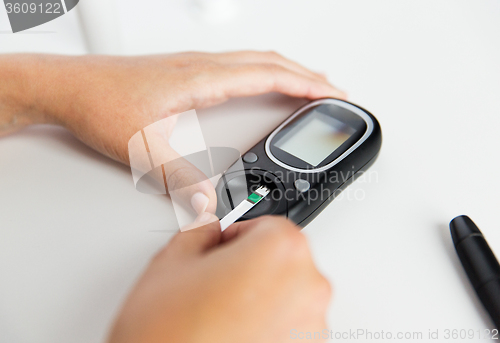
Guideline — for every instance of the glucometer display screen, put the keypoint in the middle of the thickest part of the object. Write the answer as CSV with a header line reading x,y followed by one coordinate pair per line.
x,y
315,137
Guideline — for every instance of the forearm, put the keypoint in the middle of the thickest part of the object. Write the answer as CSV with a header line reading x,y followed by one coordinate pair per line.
x,y
28,94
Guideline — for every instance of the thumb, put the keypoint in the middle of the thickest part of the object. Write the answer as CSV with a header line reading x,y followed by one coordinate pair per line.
x,y
183,179
189,185
196,238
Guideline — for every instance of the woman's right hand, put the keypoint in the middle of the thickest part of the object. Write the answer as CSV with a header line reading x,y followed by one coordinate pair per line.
x,y
256,282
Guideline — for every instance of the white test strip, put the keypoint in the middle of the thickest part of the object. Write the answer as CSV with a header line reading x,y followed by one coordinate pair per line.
x,y
244,206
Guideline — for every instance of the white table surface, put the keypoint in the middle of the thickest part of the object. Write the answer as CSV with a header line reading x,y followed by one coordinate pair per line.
x,y
75,234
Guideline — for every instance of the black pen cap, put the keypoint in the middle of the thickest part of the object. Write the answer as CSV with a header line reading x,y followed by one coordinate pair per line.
x,y
462,227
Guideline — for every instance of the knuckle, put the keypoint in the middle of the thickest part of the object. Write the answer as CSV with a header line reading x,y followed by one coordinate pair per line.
x,y
272,68
180,174
269,71
273,75
176,179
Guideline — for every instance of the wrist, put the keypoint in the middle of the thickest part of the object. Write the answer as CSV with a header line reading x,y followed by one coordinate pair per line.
x,y
28,93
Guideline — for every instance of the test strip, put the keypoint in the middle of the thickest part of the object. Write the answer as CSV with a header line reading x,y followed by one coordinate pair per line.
x,y
244,206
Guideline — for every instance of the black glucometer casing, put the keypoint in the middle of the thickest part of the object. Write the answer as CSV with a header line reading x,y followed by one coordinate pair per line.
x,y
300,190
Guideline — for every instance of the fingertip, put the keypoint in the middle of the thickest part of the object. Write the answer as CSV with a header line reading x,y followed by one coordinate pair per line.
x,y
328,92
341,95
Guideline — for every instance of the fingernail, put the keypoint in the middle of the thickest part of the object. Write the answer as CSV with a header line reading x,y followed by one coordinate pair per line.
x,y
199,201
205,217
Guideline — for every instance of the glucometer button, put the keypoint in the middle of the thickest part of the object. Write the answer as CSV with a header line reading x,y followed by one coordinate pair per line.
x,y
250,157
302,185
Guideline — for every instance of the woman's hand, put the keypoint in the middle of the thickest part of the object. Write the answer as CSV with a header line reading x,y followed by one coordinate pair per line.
x,y
105,100
256,282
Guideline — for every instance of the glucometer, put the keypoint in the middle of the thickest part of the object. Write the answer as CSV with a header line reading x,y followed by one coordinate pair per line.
x,y
301,166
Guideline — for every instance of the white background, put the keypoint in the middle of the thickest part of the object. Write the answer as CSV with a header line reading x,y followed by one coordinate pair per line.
x,y
75,234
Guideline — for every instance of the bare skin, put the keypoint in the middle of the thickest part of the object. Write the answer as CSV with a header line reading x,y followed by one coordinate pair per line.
x,y
104,100
255,282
